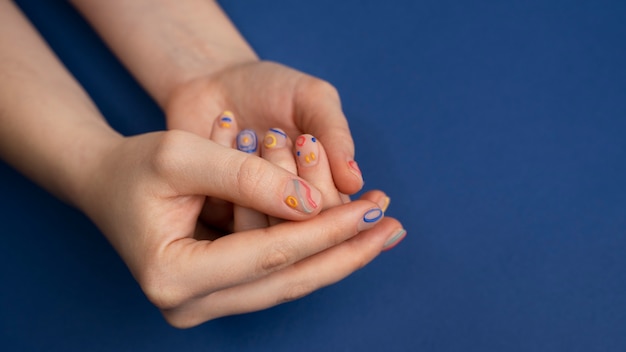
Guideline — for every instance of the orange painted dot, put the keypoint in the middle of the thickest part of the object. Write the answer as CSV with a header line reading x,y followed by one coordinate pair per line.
x,y
292,202
270,141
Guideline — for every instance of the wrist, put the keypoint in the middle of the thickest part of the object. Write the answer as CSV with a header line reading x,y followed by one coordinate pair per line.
x,y
84,163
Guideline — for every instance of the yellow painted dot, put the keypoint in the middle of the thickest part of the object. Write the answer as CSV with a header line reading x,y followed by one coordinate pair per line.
x,y
246,140
312,156
291,201
270,141
307,159
225,125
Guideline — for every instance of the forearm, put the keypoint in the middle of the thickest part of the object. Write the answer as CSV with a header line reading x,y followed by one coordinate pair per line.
x,y
165,43
50,130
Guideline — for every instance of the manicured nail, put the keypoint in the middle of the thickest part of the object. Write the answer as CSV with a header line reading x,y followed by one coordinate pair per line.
x,y
370,218
302,197
226,120
307,150
354,168
385,205
246,141
275,138
394,239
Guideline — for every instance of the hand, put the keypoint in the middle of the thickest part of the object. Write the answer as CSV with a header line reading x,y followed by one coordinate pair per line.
x,y
146,195
266,95
305,158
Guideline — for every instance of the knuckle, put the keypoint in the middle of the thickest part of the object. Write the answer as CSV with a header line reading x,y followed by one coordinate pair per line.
x,y
179,321
321,86
166,153
249,181
317,88
277,257
161,292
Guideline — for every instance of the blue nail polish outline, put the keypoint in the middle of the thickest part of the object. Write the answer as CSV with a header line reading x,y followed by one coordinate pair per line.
x,y
276,130
250,148
368,219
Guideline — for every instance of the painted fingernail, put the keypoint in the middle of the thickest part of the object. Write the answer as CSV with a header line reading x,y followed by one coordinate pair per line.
x,y
385,204
275,138
370,218
354,168
246,141
394,239
226,120
302,197
307,150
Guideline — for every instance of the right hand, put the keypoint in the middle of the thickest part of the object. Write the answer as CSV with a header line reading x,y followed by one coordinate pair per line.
x,y
147,194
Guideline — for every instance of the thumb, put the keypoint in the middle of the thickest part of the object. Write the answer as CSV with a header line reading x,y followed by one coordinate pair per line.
x,y
318,112
193,165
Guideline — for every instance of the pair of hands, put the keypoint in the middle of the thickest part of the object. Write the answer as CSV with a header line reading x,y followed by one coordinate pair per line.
x,y
160,213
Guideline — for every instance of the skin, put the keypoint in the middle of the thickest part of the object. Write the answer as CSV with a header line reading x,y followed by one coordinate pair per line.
x,y
195,64
147,193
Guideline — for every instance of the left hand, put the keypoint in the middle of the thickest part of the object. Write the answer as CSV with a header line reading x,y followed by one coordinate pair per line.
x,y
267,95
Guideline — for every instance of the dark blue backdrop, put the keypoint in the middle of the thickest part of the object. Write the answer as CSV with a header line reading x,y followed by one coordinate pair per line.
x,y
497,127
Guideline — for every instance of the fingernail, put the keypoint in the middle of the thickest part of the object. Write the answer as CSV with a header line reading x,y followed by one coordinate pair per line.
x,y
307,150
275,138
226,120
370,218
354,168
300,196
394,239
246,141
385,204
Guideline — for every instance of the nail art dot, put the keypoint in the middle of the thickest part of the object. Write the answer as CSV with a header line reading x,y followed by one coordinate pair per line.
x,y
298,153
313,139
300,141
309,158
373,215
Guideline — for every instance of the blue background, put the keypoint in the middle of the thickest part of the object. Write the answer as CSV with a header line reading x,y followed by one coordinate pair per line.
x,y
497,127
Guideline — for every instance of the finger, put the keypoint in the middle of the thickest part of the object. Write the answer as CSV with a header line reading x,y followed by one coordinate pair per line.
x,y
246,256
195,166
313,167
318,112
225,129
246,218
377,197
216,212
294,281
277,150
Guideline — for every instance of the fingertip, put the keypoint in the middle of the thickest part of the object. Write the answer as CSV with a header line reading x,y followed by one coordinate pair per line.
x,y
346,174
224,129
378,197
301,198
247,142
